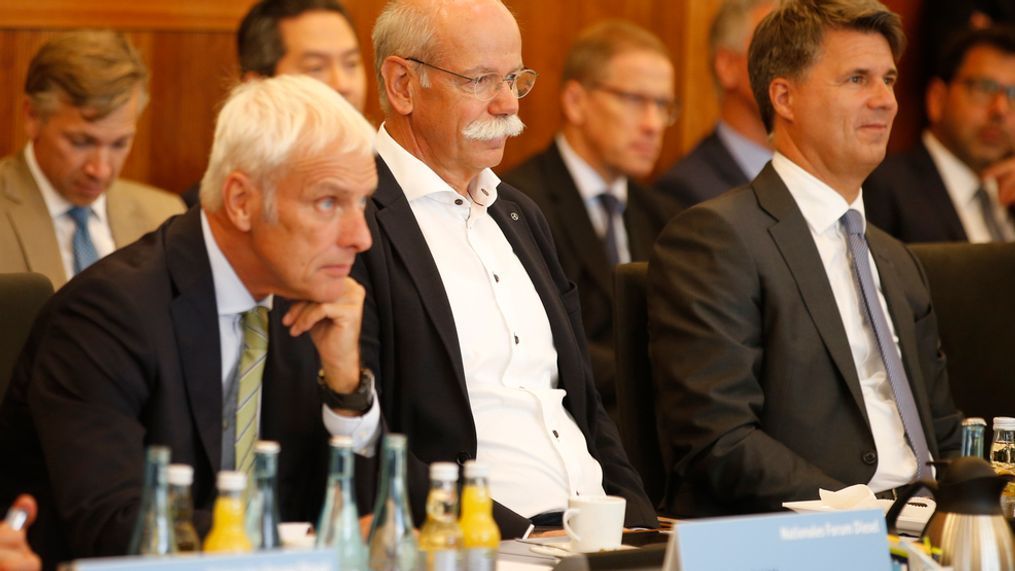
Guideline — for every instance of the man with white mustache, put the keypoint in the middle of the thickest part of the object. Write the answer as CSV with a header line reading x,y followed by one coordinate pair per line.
x,y
470,325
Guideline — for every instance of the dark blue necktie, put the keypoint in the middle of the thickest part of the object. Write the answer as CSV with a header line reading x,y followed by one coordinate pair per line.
x,y
853,223
611,208
81,244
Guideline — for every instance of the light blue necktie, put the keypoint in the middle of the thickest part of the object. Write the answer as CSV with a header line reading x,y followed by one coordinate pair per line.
x,y
81,245
853,223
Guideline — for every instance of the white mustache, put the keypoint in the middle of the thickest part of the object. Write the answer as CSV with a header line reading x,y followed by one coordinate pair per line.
x,y
494,128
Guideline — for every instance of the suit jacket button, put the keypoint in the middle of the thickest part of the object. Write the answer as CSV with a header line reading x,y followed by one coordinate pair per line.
x,y
870,457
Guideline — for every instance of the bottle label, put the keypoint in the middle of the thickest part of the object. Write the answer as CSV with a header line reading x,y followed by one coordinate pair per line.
x,y
480,560
442,560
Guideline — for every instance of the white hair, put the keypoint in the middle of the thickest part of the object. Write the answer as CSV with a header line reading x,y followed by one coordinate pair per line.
x,y
266,122
404,29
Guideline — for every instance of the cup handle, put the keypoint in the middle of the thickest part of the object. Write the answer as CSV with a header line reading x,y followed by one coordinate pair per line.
x,y
567,528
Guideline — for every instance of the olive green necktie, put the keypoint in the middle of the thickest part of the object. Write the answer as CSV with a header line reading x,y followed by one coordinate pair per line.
x,y
248,395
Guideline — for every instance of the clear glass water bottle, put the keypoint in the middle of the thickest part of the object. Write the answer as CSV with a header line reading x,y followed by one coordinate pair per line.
x,y
392,541
338,527
1002,458
440,539
480,534
181,508
153,532
973,430
262,501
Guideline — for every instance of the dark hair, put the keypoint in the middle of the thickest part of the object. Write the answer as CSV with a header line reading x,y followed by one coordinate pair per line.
x,y
258,40
1000,37
788,40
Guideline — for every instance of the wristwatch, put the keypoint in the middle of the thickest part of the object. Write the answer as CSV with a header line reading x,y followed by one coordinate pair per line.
x,y
359,400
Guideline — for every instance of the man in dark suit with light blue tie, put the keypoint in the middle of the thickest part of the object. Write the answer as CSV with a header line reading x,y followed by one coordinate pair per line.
x,y
795,346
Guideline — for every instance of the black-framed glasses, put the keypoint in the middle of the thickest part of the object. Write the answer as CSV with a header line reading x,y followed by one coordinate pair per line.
x,y
984,89
668,109
485,87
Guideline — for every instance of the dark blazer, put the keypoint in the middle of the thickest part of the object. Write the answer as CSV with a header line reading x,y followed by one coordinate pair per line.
x,y
906,197
127,355
546,180
410,341
704,173
759,397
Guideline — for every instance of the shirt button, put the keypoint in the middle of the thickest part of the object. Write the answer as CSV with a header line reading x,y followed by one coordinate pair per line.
x,y
556,434
496,278
516,339
459,201
577,493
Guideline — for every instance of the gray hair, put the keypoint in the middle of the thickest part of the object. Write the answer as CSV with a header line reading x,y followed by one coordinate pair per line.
x,y
266,122
403,29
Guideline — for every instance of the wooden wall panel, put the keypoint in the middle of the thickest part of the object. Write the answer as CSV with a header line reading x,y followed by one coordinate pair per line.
x,y
190,48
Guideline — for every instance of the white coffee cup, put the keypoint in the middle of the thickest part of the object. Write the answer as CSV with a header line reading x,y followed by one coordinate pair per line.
x,y
594,523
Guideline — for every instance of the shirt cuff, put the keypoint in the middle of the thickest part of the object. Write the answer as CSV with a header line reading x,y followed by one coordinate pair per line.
x,y
363,430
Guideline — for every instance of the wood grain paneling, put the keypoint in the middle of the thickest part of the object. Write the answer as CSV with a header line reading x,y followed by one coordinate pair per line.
x,y
190,48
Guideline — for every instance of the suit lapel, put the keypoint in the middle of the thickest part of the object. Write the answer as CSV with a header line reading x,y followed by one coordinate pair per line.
x,y
804,262
936,194
397,221
576,228
512,221
33,224
125,222
195,324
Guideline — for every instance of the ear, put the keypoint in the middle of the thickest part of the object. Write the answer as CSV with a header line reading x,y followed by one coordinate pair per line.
x,y
397,84
33,121
240,200
935,99
574,102
727,70
780,92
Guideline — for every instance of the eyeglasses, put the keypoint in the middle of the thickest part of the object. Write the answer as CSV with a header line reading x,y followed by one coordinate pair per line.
x,y
668,109
984,90
485,87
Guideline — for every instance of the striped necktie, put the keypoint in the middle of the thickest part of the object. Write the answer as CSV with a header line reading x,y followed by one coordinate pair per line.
x,y
248,375
82,246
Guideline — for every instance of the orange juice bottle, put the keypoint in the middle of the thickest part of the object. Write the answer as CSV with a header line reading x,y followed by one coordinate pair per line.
x,y
228,532
480,534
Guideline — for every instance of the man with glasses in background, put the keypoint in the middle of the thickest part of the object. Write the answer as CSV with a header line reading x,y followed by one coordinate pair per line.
x,y
470,324
617,100
958,183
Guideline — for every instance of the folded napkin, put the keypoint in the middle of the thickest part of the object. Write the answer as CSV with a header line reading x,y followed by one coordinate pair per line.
x,y
855,497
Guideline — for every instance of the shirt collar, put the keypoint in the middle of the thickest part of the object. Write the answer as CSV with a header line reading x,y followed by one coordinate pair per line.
x,y
418,180
959,179
56,204
231,296
750,156
820,204
590,184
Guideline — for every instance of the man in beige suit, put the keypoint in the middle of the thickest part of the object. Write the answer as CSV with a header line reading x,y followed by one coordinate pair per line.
x,y
62,206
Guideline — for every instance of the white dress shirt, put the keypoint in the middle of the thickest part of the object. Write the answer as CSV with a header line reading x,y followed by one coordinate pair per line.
x,y
962,184
63,224
538,453
590,186
233,299
822,207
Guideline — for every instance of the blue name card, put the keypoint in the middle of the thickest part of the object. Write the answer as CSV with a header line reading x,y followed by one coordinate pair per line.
x,y
297,560
831,541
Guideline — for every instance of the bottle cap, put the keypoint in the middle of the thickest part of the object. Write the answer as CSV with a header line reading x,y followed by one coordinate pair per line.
x,y
1004,423
974,421
181,475
267,447
341,441
156,453
394,440
475,469
444,471
232,481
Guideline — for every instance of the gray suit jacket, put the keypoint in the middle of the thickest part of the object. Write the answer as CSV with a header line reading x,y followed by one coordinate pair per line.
x,y
759,397
27,238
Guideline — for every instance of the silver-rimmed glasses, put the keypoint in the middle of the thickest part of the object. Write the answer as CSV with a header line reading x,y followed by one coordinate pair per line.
x,y
485,87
